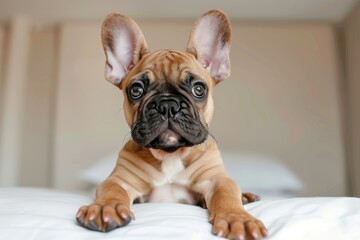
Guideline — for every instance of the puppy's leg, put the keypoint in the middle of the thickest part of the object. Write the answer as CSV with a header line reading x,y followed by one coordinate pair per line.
x,y
228,214
110,210
226,211
245,197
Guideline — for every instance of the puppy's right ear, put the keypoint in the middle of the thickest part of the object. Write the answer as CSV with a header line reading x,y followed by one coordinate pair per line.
x,y
124,46
210,43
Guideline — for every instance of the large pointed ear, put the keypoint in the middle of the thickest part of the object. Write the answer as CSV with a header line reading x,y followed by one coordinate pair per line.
x,y
210,41
124,45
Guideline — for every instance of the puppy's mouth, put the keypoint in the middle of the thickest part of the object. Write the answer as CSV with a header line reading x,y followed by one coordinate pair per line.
x,y
169,141
168,135
168,123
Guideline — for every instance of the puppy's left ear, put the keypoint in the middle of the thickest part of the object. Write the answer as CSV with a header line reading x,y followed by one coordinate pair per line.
x,y
210,41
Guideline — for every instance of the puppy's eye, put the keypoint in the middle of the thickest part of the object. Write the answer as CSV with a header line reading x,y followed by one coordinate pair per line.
x,y
136,90
198,90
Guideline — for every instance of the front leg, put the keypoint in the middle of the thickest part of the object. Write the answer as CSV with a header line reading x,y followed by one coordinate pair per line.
x,y
227,213
246,198
110,210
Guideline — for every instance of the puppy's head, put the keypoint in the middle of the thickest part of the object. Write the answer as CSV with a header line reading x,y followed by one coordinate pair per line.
x,y
168,94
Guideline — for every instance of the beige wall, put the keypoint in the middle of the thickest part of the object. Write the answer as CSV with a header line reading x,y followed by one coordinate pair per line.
x,y
281,100
88,110
39,110
2,45
352,41
35,143
2,57
3,35
13,100
2,82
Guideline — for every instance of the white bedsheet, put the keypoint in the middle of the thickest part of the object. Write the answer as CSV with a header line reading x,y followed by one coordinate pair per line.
x,y
41,214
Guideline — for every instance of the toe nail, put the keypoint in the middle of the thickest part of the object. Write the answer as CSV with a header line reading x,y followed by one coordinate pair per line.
x,y
126,221
123,215
255,235
110,226
92,225
241,237
79,214
220,234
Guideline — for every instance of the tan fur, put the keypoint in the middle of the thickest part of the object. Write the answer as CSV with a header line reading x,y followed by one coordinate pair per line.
x,y
172,65
141,172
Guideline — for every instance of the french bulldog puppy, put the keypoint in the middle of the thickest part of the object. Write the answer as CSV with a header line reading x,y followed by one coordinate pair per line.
x,y
168,105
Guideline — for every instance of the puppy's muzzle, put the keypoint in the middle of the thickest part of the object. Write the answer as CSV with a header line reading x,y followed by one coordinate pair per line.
x,y
168,122
167,107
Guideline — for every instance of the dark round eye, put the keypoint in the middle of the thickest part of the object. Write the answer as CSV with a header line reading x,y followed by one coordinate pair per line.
x,y
198,90
136,90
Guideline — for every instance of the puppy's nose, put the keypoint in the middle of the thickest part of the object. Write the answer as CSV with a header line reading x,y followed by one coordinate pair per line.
x,y
168,107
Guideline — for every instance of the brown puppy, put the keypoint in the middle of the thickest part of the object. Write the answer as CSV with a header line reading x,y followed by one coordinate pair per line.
x,y
168,105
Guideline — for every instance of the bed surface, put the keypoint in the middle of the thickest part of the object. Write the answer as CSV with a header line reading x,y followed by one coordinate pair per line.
x,y
48,214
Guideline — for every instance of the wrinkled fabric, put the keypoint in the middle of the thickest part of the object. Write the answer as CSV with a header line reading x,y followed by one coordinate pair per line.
x,y
42,214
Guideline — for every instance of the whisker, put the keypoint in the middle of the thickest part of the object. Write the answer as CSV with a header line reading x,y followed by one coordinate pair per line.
x,y
178,154
165,153
213,137
123,143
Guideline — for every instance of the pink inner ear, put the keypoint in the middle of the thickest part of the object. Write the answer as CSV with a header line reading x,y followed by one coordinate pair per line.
x,y
206,64
120,56
212,52
131,66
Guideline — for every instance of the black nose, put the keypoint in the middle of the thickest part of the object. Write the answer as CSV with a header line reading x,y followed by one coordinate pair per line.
x,y
168,106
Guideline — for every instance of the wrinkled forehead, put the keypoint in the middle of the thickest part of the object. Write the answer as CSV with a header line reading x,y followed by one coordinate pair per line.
x,y
171,65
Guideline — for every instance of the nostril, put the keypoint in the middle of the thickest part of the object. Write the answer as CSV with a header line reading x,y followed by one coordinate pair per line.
x,y
163,110
184,105
174,109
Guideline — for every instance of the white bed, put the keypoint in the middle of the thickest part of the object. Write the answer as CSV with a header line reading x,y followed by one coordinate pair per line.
x,y
39,214
256,173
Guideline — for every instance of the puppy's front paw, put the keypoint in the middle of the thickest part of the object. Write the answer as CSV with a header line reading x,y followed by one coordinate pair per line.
x,y
240,225
249,197
104,218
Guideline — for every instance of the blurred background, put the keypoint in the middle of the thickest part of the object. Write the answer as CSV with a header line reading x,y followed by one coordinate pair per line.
x,y
292,101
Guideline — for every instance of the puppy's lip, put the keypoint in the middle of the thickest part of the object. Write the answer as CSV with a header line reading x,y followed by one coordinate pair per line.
x,y
169,137
189,138
146,142
156,144
170,149
169,141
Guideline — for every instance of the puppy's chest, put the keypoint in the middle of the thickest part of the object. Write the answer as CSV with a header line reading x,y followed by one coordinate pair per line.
x,y
172,172
172,186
